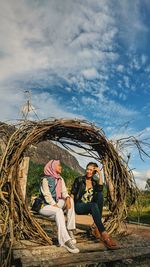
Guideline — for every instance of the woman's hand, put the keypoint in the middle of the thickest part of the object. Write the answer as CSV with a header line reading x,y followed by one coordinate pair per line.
x,y
97,169
68,203
55,205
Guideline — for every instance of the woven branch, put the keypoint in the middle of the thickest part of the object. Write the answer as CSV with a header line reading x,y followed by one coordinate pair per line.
x,y
15,219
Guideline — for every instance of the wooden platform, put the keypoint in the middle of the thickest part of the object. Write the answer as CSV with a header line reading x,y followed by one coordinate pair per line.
x,y
134,250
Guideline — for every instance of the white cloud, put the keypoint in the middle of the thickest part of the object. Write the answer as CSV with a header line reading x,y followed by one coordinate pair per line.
x,y
10,101
48,107
83,156
89,101
133,30
141,178
122,96
54,35
43,43
143,59
140,168
44,104
117,109
147,69
136,63
90,74
120,68
126,81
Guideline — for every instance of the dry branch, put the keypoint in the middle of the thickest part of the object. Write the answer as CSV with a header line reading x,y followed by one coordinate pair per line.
x,y
17,222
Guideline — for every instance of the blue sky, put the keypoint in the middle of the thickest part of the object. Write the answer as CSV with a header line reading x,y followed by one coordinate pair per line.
x,y
85,59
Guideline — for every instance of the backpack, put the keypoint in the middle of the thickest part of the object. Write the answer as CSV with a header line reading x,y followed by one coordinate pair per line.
x,y
37,204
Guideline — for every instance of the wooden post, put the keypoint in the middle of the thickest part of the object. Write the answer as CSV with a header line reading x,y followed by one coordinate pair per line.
x,y
23,174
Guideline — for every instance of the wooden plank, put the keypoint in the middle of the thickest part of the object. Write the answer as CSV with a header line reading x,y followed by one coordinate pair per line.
x,y
54,251
134,245
86,258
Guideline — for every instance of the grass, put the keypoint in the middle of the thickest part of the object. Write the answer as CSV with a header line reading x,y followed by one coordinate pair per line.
x,y
143,217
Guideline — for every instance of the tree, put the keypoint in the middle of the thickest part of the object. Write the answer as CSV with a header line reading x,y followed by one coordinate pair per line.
x,y
147,186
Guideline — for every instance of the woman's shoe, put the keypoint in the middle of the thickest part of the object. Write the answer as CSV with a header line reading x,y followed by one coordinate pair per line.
x,y
110,244
71,247
72,236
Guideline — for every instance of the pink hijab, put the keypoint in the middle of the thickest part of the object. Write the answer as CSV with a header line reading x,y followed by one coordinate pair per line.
x,y
50,170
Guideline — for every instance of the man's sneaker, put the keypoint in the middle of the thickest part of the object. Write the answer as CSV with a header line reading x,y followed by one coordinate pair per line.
x,y
72,236
71,247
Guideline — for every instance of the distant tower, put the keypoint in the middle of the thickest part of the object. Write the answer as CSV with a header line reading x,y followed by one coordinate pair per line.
x,y
27,109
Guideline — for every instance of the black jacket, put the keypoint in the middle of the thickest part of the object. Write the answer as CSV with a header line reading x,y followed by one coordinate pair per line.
x,y
79,188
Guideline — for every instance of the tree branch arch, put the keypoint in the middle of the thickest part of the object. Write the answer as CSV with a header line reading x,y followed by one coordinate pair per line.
x,y
16,220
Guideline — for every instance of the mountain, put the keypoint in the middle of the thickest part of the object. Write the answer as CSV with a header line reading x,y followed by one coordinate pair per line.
x,y
42,152
47,150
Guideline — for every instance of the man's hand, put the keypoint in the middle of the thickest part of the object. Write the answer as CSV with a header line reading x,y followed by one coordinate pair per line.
x,y
68,203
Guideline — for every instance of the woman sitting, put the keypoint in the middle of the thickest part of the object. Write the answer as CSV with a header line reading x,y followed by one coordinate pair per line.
x,y
87,193
56,199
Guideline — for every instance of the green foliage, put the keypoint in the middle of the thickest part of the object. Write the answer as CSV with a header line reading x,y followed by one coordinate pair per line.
x,y
36,172
105,196
143,218
33,182
69,175
131,199
143,199
139,212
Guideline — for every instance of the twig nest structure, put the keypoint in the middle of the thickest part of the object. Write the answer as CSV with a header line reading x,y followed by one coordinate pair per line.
x,y
15,219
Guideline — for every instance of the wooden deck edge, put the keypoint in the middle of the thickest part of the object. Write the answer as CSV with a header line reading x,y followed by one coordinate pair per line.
x,y
85,257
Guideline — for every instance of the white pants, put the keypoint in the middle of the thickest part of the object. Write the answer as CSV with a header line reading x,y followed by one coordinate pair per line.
x,y
58,214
